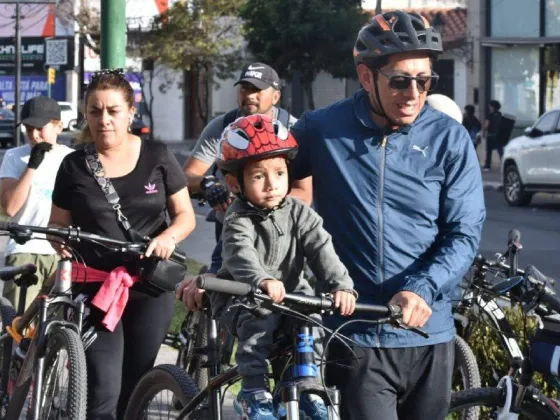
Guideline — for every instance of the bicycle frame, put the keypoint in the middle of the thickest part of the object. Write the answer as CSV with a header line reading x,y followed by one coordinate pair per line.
x,y
301,382
33,364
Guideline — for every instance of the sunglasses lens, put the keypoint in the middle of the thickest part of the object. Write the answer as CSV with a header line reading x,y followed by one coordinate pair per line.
x,y
423,83
399,82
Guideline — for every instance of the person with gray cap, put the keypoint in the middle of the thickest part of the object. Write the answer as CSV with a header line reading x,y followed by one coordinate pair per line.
x,y
258,93
27,178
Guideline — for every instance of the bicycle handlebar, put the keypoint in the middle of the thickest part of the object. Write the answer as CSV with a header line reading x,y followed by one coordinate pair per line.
x,y
323,303
72,234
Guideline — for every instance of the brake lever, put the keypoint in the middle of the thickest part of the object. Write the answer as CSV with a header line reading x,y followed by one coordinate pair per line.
x,y
400,324
396,320
21,235
255,309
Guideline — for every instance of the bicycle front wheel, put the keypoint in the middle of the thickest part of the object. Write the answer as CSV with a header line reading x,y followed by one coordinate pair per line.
x,y
64,391
532,408
154,395
7,314
466,375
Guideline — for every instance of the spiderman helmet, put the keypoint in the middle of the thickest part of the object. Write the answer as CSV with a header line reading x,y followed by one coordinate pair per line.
x,y
253,138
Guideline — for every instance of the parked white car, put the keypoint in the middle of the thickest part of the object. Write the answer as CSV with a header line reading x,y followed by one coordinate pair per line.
x,y
531,163
69,115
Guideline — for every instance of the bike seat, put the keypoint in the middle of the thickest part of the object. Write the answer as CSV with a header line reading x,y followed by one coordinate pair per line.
x,y
506,285
8,273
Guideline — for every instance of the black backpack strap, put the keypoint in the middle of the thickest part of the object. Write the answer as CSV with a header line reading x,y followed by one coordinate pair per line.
x,y
230,117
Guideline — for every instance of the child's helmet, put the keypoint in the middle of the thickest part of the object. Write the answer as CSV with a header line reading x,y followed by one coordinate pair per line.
x,y
253,138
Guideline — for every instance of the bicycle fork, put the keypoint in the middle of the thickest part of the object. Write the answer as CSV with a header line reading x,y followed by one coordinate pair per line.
x,y
304,372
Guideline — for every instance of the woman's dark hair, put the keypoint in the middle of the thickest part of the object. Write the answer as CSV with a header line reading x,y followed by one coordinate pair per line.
x,y
469,109
111,80
495,104
106,80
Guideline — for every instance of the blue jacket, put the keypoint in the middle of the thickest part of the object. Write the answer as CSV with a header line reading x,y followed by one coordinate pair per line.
x,y
405,210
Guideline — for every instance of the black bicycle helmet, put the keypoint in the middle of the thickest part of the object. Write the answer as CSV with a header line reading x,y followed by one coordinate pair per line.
x,y
395,32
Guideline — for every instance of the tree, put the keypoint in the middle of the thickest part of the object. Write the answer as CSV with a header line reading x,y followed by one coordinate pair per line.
x,y
201,37
305,36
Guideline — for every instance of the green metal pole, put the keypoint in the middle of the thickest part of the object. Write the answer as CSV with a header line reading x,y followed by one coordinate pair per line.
x,y
113,34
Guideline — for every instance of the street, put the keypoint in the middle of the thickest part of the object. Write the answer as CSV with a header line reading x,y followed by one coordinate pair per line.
x,y
539,227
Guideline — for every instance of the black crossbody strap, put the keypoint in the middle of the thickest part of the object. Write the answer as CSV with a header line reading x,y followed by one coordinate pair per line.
x,y
98,172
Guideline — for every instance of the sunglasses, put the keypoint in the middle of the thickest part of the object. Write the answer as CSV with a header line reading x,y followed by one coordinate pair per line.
x,y
402,82
115,72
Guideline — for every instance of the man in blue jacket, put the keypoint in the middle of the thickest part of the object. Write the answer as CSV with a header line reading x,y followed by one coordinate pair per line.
x,y
400,190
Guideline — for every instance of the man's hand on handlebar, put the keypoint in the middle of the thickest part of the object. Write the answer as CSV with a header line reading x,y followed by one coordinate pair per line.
x,y
189,294
415,310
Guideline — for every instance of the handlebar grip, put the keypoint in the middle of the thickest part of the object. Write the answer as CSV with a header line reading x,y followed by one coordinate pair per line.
x,y
552,301
214,284
179,256
381,310
5,225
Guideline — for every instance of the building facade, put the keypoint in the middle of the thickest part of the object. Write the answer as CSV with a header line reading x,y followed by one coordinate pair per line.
x,y
516,57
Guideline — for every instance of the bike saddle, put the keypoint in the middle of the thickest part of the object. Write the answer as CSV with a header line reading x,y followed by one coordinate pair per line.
x,y
506,285
8,273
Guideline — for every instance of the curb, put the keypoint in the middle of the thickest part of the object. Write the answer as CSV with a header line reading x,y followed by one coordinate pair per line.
x,y
493,186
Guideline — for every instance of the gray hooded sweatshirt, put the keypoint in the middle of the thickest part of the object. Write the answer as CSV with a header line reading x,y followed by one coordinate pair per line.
x,y
274,244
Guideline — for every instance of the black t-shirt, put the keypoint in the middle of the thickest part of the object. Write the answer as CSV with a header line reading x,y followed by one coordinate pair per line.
x,y
143,198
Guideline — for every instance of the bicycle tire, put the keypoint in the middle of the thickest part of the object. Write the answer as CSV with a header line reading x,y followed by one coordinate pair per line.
x,y
68,340
7,315
158,379
531,408
466,370
188,359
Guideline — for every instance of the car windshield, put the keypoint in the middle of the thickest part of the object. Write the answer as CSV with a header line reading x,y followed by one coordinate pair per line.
x,y
6,114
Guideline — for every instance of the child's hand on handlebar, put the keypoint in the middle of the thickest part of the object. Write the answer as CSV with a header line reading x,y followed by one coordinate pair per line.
x,y
345,301
274,288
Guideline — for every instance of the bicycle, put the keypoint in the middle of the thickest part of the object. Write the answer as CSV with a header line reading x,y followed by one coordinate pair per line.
x,y
515,393
58,321
207,403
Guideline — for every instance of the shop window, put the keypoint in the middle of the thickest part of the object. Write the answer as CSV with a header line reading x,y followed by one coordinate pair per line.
x,y
515,82
515,18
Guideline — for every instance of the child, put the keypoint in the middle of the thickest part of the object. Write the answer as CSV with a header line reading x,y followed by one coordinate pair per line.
x,y
27,178
267,238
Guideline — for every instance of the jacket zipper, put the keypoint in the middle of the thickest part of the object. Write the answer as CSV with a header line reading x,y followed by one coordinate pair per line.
x,y
274,251
380,219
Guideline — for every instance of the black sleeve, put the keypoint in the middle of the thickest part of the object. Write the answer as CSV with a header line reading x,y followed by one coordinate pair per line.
x,y
174,177
61,196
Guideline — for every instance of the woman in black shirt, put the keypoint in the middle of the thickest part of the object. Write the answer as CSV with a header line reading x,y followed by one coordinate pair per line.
x,y
151,185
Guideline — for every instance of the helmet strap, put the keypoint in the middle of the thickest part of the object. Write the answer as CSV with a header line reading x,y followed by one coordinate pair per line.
x,y
378,97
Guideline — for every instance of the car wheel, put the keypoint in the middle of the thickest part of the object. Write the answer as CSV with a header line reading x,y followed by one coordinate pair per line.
x,y
73,125
514,190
